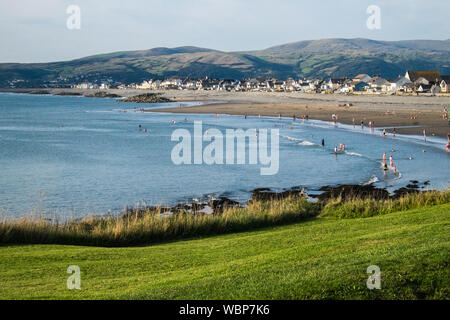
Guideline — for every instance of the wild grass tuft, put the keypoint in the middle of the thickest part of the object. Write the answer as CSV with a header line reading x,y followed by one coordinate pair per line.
x,y
153,227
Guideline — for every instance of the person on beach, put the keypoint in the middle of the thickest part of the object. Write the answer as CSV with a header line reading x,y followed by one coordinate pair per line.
x,y
394,132
294,117
353,120
362,124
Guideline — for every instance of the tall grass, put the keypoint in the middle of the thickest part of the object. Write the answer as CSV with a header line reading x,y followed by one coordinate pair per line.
x,y
152,227
367,207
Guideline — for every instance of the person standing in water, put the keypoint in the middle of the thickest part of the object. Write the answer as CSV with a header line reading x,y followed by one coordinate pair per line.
x,y
384,158
425,135
448,143
391,161
323,142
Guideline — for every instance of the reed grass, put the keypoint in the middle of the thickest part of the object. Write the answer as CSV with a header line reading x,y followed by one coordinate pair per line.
x,y
367,207
153,227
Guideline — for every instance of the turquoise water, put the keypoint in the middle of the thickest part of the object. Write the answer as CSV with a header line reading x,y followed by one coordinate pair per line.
x,y
74,156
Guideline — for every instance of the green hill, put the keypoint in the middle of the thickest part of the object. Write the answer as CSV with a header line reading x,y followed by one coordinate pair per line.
x,y
325,258
316,58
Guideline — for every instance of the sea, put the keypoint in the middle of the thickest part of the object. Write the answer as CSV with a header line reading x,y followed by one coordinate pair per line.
x,y
71,156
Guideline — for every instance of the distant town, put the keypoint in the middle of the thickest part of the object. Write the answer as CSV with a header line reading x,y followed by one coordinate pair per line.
x,y
413,82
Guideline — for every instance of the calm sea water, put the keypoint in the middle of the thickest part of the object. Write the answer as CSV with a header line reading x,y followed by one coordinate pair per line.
x,y
75,156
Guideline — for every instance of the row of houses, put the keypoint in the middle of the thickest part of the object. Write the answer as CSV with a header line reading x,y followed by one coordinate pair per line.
x,y
412,82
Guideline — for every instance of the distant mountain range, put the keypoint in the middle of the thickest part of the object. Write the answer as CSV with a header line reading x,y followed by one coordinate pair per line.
x,y
316,58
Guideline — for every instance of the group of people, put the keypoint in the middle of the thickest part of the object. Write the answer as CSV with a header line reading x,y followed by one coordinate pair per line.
x,y
336,149
391,163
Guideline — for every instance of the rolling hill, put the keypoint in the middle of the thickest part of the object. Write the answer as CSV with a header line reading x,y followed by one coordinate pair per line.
x,y
316,58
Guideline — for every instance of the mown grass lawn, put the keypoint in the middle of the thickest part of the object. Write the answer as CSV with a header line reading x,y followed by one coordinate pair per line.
x,y
322,259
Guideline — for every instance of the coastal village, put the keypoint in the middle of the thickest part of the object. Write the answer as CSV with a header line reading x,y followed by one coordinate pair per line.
x,y
413,82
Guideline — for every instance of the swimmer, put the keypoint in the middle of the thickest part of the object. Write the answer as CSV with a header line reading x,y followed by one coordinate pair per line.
x,y
411,158
393,150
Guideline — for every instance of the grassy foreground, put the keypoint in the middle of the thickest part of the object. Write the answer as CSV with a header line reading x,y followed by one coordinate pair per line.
x,y
325,258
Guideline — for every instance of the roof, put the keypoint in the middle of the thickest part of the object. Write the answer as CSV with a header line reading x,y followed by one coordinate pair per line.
x,y
361,75
429,75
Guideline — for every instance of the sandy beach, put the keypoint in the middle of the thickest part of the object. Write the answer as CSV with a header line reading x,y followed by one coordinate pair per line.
x,y
408,114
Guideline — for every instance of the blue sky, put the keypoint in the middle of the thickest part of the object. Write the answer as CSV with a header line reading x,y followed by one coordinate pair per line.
x,y
35,31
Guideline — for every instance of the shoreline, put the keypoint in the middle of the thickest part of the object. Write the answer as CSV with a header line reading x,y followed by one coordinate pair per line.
x,y
410,115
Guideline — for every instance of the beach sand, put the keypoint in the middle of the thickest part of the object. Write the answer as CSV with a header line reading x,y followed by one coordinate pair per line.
x,y
408,114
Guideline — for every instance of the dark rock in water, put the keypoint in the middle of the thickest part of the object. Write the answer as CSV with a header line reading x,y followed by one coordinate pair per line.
x,y
267,194
102,94
40,92
147,98
348,192
218,205
65,93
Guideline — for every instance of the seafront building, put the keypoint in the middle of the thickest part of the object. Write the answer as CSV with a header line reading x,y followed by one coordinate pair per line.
x,y
413,82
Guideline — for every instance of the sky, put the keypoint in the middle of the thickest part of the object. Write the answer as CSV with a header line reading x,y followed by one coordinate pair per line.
x,y
36,31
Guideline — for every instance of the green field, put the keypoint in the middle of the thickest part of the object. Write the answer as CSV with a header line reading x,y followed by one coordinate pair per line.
x,y
326,258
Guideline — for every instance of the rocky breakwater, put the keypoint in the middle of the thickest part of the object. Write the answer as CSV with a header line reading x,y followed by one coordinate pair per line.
x,y
147,98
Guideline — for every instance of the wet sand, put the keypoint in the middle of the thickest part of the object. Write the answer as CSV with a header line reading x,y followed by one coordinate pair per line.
x,y
412,121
